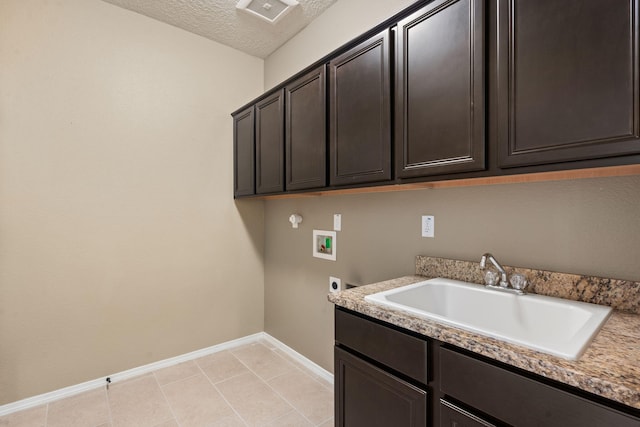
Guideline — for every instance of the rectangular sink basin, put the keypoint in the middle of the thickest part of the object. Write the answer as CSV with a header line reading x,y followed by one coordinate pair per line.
x,y
555,326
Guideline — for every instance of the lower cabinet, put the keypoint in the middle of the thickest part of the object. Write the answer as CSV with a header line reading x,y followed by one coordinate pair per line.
x,y
519,399
387,376
368,396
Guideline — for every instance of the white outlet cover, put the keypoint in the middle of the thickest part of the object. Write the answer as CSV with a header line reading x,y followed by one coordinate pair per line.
x,y
337,281
428,226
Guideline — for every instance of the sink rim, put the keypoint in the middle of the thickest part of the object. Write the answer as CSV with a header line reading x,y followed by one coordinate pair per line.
x,y
570,350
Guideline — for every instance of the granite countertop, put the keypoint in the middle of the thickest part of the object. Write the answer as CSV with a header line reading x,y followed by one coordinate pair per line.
x,y
610,367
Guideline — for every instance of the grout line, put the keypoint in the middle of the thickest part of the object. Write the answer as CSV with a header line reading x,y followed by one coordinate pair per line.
x,y
292,405
266,382
46,415
173,414
222,395
109,413
175,381
294,408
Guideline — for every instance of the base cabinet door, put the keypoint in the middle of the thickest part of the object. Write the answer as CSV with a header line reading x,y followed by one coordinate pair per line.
x,y
367,396
567,80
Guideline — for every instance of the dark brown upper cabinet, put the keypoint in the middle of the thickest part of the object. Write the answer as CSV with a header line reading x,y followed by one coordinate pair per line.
x,y
567,80
243,153
440,89
270,144
305,131
360,113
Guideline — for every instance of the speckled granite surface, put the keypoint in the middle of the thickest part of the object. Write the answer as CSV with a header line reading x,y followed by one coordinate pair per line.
x,y
609,368
620,294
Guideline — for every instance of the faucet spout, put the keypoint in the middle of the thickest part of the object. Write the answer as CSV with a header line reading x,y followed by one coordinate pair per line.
x,y
503,274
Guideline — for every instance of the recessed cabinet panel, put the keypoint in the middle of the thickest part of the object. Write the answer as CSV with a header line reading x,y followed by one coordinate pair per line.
x,y
368,396
270,144
567,85
243,171
440,90
306,142
360,120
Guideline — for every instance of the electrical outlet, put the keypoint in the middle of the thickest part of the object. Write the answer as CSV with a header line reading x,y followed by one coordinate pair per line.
x,y
335,284
428,226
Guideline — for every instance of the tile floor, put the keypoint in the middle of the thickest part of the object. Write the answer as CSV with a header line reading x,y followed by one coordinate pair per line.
x,y
252,385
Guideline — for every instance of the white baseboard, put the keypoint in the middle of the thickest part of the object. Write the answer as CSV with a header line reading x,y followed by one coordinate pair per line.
x,y
62,393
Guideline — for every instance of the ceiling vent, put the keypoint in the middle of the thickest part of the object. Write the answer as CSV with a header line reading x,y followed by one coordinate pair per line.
x,y
269,10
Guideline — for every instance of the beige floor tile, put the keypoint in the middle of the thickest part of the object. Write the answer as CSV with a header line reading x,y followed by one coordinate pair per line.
x,y
86,409
329,423
307,395
221,366
264,362
196,402
34,417
253,400
303,368
234,421
170,423
176,372
292,419
138,403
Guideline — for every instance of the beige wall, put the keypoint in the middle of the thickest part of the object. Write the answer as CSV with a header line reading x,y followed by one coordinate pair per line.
x,y
586,226
120,242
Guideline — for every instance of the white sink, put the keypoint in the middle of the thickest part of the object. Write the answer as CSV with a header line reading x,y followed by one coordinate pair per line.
x,y
555,326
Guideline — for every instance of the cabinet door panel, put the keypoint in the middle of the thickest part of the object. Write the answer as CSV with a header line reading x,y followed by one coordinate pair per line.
x,y
270,144
367,396
440,90
243,147
567,84
306,142
360,118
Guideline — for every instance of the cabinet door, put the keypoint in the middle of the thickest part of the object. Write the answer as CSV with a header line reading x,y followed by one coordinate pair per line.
x,y
367,396
305,130
567,80
360,120
243,153
270,144
440,107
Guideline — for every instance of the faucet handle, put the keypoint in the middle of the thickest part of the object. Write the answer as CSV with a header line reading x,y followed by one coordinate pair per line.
x,y
491,277
518,281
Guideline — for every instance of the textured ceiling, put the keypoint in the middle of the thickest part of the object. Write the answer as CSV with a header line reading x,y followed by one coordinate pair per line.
x,y
219,20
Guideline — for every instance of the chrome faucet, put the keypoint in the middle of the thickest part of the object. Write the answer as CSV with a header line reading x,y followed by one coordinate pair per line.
x,y
504,281
518,281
